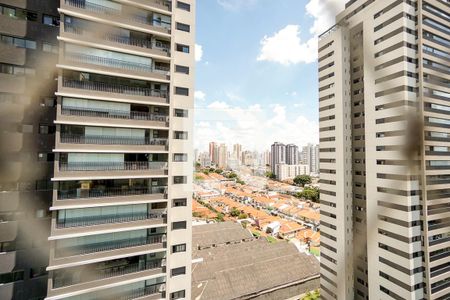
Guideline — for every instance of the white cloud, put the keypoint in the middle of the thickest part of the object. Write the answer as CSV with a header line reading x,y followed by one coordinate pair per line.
x,y
324,13
252,126
236,5
199,95
286,47
198,52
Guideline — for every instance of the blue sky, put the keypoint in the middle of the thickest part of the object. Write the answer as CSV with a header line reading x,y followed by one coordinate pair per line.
x,y
256,76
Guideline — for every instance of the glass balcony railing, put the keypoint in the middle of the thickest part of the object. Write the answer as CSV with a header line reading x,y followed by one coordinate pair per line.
x,y
112,114
109,245
113,166
115,38
110,140
93,274
110,192
108,219
108,62
113,88
108,11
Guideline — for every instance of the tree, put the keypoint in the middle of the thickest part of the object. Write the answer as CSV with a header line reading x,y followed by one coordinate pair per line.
x,y
242,216
218,171
198,177
240,181
310,193
234,212
302,180
232,175
314,295
220,217
206,172
197,165
270,175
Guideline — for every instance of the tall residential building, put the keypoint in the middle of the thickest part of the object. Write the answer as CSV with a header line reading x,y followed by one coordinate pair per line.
x,y
278,155
222,154
237,152
28,57
384,74
310,157
116,221
292,154
212,151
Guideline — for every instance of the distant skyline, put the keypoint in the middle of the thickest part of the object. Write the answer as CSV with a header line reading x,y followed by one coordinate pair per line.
x,y
256,71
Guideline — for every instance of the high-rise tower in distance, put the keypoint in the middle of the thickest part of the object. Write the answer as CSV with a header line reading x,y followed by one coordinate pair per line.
x,y
384,74
118,126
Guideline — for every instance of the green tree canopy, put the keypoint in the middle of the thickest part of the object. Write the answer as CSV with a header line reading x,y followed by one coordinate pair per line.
x,y
270,175
302,180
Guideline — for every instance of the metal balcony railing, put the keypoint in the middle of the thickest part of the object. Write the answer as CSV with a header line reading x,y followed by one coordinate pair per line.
x,y
109,245
110,192
115,38
110,140
112,114
113,166
113,88
68,279
107,219
97,8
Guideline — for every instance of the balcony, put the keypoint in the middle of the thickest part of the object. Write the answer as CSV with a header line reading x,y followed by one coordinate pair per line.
x,y
95,272
111,65
109,246
105,170
116,40
145,293
67,141
111,219
68,113
111,192
118,16
96,89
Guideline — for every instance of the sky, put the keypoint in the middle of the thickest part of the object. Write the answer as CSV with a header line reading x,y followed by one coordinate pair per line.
x,y
256,72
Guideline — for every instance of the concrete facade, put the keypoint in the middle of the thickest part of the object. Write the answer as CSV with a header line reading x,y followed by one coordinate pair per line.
x,y
383,93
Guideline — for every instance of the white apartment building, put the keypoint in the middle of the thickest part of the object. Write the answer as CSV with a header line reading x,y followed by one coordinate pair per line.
x,y
384,92
121,211
285,171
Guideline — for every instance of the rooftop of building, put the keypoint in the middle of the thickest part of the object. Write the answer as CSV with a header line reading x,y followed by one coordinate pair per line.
x,y
240,270
212,235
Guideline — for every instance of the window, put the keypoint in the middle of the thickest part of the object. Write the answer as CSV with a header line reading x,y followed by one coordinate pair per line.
x,y
181,113
179,157
15,276
178,271
47,129
183,27
181,69
181,91
50,20
27,128
182,48
183,6
47,47
179,248
177,295
179,225
179,202
179,179
18,42
180,135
